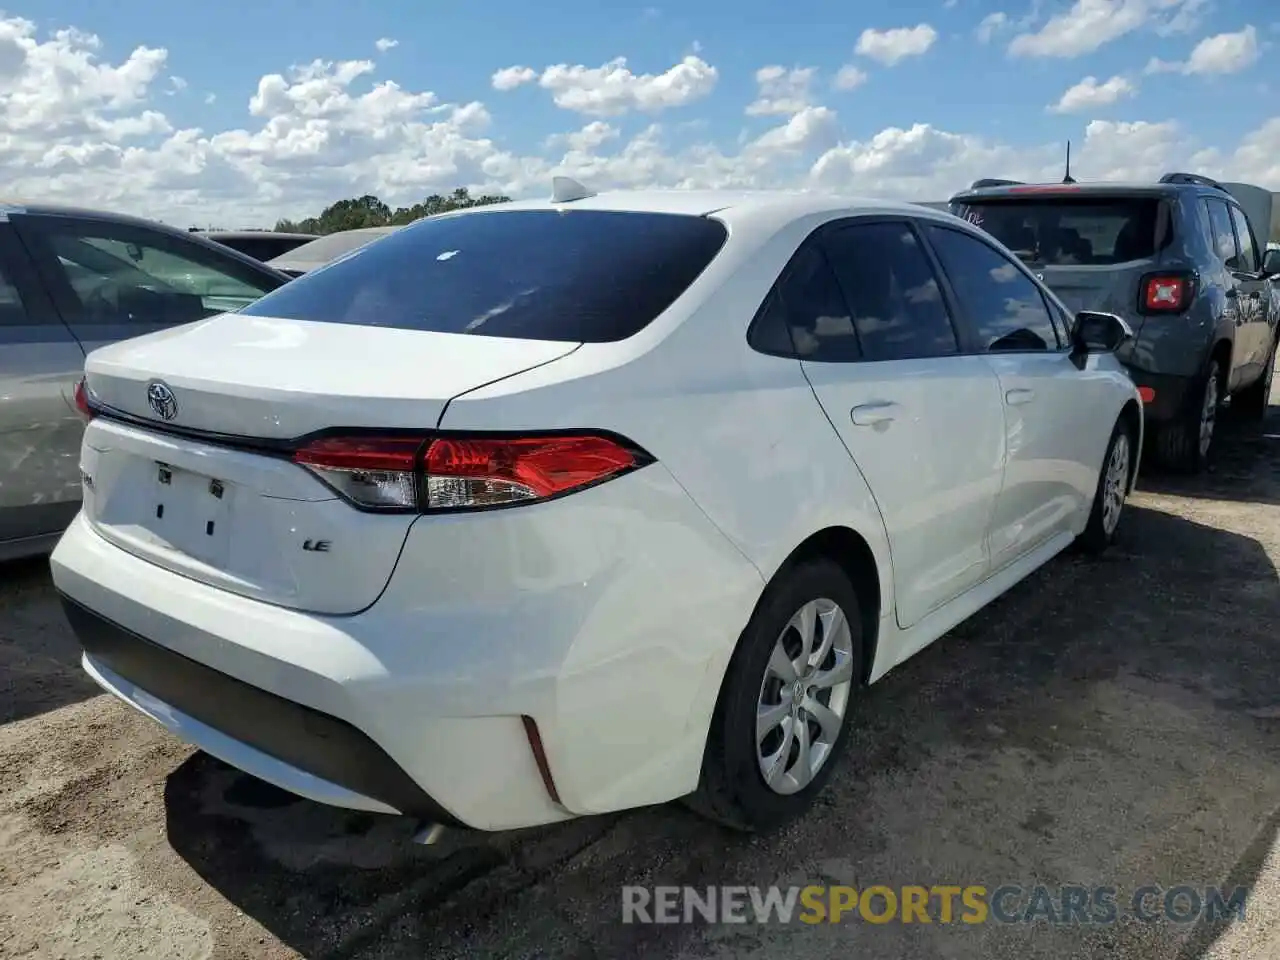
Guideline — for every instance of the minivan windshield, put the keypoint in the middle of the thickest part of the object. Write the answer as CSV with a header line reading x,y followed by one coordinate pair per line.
x,y
1069,231
566,275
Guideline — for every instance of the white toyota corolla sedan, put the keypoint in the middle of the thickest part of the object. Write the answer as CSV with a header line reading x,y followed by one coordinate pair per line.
x,y
562,507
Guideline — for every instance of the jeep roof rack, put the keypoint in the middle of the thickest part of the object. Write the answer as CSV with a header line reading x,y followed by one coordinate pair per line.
x,y
1192,178
989,182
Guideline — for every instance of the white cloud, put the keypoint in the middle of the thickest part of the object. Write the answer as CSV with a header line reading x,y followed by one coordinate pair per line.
x,y
508,78
1156,65
176,85
992,24
812,128
1088,25
1089,94
1186,16
210,97
385,43
612,89
1220,54
849,77
782,92
85,126
892,46
1224,53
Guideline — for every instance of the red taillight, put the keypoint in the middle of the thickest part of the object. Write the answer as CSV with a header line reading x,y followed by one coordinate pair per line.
x,y
482,471
397,473
82,400
1167,293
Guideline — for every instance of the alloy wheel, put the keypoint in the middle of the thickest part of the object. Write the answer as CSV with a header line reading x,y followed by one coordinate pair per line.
x,y
1208,412
804,695
1115,485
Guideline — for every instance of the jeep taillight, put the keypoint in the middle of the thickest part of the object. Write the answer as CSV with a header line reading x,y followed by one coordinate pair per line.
x,y
464,472
1166,293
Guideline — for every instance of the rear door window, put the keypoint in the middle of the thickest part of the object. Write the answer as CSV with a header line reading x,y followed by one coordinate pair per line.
x,y
897,305
564,275
131,279
1248,262
1005,309
1072,231
805,315
1224,234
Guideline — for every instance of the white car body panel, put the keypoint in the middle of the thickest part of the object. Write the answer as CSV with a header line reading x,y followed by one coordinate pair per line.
x,y
608,616
934,465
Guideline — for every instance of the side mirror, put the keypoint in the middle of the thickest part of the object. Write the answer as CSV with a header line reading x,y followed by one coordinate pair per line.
x,y
1271,264
1096,332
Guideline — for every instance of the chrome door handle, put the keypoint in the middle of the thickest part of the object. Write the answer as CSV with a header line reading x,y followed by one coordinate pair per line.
x,y
1018,397
871,414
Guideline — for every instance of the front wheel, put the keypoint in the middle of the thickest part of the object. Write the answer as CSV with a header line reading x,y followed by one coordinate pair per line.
x,y
1113,489
779,723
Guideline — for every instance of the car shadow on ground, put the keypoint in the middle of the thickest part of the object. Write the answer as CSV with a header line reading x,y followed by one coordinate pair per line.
x,y
1244,466
39,657
1099,723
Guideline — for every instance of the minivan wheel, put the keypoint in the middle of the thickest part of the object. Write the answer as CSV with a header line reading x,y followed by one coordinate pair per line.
x,y
1185,445
1112,491
1252,402
779,724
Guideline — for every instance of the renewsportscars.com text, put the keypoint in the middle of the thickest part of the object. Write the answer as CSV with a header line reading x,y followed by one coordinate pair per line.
x,y
973,904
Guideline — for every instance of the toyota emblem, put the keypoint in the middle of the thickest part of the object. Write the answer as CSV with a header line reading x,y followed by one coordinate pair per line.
x,y
161,400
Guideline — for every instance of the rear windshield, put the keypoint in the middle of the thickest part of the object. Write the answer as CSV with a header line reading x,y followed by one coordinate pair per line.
x,y
261,248
331,246
1069,231
571,275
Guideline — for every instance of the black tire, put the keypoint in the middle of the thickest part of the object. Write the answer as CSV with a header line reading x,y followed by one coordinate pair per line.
x,y
732,789
1251,403
1177,445
1100,532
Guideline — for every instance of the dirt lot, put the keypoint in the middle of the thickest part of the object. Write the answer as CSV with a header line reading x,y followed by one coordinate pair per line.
x,y
1109,722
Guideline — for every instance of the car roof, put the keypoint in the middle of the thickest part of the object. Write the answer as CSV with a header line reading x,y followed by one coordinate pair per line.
x,y
10,207
43,209
254,235
1108,188
761,207
323,249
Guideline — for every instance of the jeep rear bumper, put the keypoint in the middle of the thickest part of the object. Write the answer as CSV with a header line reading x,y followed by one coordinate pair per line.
x,y
1164,396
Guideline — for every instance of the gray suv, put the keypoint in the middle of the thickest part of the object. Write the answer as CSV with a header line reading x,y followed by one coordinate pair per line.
x,y
1182,261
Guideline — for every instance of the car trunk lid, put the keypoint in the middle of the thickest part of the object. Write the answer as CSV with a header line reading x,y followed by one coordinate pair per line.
x,y
189,465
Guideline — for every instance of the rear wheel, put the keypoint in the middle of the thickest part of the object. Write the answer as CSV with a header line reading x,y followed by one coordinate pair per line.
x,y
1252,402
779,724
1185,444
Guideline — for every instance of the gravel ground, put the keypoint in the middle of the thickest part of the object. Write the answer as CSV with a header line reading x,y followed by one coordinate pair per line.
x,y
1110,722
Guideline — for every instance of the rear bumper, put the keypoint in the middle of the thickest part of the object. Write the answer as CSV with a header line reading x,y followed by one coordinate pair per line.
x,y
313,754
608,622
1164,396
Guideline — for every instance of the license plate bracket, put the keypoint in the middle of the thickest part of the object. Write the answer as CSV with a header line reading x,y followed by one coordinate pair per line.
x,y
192,513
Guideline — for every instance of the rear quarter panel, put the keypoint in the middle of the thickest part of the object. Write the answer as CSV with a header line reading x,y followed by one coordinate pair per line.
x,y
741,431
1180,345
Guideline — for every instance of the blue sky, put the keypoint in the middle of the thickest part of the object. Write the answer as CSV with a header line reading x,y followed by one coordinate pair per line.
x,y
959,84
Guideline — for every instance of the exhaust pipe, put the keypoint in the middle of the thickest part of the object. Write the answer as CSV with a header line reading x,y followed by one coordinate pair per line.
x,y
429,834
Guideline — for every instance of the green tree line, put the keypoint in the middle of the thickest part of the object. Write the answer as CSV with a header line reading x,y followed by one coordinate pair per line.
x,y
369,211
